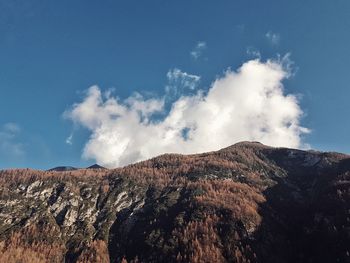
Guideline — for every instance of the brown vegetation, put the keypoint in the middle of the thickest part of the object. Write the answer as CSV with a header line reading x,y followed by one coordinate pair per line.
x,y
234,205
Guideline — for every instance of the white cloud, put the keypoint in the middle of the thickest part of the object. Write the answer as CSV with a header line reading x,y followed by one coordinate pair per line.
x,y
179,82
8,143
274,38
198,49
69,139
247,104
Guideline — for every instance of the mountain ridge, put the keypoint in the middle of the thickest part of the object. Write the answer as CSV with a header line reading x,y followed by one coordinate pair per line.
x,y
71,168
244,203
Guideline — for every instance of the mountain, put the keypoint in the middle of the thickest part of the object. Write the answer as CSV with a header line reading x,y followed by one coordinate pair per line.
x,y
63,168
96,166
71,168
245,203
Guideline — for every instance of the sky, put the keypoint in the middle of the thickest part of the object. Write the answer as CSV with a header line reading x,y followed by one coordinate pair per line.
x,y
116,82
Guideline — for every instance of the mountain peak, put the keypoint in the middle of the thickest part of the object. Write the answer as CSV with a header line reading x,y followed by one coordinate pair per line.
x,y
96,166
249,144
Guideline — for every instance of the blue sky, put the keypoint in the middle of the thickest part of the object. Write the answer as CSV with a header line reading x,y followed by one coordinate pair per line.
x,y
51,52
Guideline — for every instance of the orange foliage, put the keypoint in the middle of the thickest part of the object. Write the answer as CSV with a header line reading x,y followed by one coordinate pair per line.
x,y
30,246
96,251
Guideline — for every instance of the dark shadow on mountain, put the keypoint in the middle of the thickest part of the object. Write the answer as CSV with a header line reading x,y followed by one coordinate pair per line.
x,y
306,214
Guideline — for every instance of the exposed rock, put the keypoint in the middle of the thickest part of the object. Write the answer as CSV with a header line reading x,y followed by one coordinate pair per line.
x,y
245,203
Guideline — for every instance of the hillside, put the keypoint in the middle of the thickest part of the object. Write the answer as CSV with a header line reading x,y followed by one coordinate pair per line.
x,y
245,203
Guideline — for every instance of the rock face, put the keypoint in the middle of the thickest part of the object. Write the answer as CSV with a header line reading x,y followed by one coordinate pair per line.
x,y
244,203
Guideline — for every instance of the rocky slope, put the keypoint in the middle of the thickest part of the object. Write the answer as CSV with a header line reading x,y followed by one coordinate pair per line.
x,y
244,203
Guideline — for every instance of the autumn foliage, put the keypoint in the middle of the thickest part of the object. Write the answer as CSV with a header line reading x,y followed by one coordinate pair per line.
x,y
225,206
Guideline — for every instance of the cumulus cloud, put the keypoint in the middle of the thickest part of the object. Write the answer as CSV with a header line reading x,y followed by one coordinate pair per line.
x,y
198,49
247,104
274,38
8,143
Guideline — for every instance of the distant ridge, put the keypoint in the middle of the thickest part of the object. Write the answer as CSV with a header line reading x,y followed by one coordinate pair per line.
x,y
71,168
96,166
63,168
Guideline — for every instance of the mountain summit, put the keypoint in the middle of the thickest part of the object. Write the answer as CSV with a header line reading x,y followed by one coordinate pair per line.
x,y
96,166
245,203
